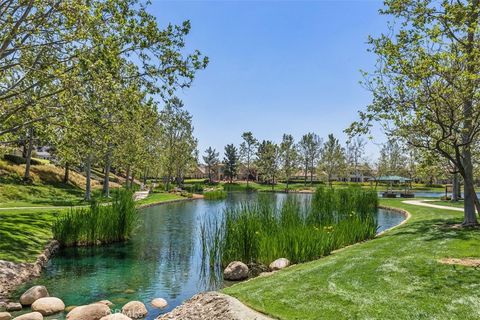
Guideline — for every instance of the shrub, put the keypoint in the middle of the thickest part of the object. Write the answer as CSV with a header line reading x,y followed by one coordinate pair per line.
x,y
20,160
263,231
215,195
98,224
186,194
193,188
229,187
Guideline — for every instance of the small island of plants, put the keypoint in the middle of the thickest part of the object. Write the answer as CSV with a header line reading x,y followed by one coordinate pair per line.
x,y
300,231
98,224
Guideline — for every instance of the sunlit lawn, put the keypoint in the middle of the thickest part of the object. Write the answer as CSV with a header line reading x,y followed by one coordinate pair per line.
x,y
396,276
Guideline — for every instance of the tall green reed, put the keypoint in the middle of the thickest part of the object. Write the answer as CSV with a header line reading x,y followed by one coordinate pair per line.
x,y
215,195
262,231
98,224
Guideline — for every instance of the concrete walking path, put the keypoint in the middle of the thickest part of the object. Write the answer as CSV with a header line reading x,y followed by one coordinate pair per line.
x,y
423,203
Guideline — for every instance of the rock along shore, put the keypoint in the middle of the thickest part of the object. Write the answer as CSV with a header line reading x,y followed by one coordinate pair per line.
x,y
14,274
213,305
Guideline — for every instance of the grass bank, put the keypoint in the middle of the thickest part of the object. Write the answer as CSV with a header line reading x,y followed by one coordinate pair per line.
x,y
395,276
158,197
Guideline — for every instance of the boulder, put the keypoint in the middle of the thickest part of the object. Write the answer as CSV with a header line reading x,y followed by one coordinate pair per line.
x,y
13,306
279,264
30,316
116,316
135,310
159,303
94,311
106,302
32,294
48,306
3,306
5,316
235,271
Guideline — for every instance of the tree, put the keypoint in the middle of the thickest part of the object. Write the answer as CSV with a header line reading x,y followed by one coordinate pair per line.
x,y
268,161
288,157
332,160
178,142
354,155
309,150
425,89
392,160
230,162
247,151
211,161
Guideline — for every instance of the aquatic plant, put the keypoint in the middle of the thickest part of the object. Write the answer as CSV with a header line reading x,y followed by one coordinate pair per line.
x,y
98,224
215,195
264,230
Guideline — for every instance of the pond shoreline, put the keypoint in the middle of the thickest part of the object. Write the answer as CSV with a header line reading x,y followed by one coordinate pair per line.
x,y
13,275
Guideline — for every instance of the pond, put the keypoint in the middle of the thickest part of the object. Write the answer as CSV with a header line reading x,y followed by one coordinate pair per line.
x,y
163,259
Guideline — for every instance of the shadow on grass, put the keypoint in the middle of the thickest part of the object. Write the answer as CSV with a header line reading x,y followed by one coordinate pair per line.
x,y
437,229
24,235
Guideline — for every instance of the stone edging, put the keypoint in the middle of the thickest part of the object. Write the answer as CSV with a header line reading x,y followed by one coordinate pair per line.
x,y
14,274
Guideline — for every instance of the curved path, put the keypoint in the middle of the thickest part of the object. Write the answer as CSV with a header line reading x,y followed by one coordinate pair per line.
x,y
423,203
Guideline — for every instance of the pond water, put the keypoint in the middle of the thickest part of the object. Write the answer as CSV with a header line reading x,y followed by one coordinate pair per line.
x,y
163,259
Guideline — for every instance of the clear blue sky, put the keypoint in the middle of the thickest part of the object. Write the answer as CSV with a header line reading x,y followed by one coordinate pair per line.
x,y
276,66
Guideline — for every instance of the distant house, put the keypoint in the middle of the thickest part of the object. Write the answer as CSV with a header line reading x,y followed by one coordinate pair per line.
x,y
300,175
198,172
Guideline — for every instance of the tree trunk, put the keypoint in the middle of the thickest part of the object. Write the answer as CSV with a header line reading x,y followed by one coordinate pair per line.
x,y
88,175
167,185
469,203
145,174
455,187
305,173
248,172
470,218
26,177
106,176
66,175
127,178
132,179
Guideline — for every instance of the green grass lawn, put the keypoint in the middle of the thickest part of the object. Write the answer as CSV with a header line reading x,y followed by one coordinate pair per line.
x,y
159,198
25,233
395,276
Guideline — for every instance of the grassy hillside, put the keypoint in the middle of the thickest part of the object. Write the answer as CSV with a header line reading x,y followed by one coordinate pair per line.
x,y
47,187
